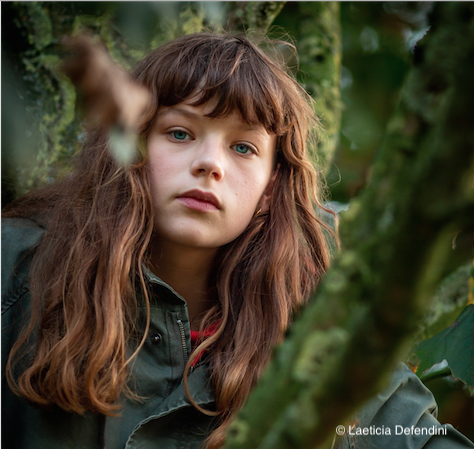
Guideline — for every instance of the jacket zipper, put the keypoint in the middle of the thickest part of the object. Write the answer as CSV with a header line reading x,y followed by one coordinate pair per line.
x,y
183,340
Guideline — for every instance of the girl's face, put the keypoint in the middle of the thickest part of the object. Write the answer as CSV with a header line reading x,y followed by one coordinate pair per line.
x,y
208,175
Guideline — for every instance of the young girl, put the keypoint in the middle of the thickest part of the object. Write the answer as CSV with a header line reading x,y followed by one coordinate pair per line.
x,y
109,273
140,304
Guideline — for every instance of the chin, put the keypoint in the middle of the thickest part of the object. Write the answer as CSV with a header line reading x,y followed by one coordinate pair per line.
x,y
202,240
195,240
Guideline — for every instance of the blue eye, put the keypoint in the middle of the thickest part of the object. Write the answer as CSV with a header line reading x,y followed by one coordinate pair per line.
x,y
242,148
179,135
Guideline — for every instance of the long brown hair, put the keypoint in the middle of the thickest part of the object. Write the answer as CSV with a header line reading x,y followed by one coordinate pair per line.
x,y
99,220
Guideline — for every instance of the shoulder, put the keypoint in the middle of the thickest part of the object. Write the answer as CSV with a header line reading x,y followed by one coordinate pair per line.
x,y
20,233
405,387
20,237
404,415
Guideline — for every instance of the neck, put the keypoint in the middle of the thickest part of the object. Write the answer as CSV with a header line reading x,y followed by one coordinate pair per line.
x,y
186,270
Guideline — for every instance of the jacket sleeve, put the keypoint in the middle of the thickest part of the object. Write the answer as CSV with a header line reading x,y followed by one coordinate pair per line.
x,y
20,237
403,417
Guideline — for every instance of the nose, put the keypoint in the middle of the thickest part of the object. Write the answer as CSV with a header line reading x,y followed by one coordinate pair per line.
x,y
209,160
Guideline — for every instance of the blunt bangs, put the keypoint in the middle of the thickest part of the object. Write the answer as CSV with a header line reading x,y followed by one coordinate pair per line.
x,y
226,70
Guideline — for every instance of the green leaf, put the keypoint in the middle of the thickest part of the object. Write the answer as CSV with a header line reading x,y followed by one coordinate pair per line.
x,y
455,344
449,300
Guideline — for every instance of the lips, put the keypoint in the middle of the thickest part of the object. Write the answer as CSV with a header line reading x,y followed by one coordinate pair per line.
x,y
199,200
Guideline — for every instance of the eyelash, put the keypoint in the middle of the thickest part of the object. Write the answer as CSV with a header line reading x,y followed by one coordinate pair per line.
x,y
172,134
250,151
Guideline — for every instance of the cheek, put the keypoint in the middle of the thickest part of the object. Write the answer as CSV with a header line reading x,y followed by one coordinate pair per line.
x,y
248,189
164,170
157,177
161,164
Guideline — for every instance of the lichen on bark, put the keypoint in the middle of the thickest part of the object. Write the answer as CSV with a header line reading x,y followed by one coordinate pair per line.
x,y
319,47
256,16
316,29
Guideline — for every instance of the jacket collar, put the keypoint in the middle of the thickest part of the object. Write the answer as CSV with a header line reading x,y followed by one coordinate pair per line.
x,y
161,289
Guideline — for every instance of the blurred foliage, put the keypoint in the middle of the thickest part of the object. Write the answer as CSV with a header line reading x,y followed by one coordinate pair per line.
x,y
454,395
451,344
449,300
377,40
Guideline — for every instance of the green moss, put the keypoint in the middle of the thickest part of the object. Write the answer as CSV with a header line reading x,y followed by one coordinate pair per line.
x,y
302,417
192,19
40,32
317,348
51,95
238,431
319,47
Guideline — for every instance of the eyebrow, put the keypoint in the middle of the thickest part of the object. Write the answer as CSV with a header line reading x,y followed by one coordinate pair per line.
x,y
194,116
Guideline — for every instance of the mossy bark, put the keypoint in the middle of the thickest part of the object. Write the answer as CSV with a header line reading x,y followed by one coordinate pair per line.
x,y
316,29
343,345
41,138
319,47
252,15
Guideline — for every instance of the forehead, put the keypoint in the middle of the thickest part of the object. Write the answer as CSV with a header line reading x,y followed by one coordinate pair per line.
x,y
239,92
190,111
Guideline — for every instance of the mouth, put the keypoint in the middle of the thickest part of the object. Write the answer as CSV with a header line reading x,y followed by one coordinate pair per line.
x,y
198,200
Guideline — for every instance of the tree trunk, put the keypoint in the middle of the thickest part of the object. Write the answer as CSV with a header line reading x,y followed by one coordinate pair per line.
x,y
316,28
44,132
257,16
344,344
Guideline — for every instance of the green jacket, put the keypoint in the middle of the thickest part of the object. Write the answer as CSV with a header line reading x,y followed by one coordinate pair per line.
x,y
165,419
